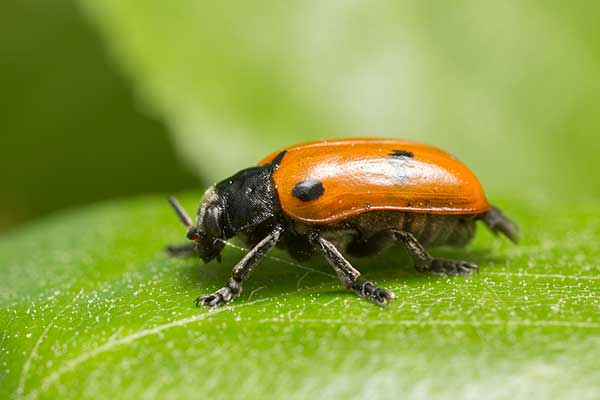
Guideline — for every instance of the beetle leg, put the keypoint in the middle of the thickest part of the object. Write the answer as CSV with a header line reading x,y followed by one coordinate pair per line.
x,y
241,271
497,222
184,250
349,275
424,262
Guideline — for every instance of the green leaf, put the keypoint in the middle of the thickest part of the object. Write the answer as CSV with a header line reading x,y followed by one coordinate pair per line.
x,y
93,308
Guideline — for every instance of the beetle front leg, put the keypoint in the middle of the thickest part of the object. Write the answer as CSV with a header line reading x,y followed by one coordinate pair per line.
x,y
241,271
424,262
184,250
349,275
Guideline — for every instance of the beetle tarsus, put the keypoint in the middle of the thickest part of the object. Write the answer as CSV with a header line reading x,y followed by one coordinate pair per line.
x,y
369,290
226,294
441,266
210,300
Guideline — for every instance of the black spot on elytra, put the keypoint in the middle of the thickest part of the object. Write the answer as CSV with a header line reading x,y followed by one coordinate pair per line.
x,y
277,160
308,190
402,153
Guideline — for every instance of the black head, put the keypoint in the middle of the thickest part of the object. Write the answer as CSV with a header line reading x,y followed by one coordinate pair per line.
x,y
237,204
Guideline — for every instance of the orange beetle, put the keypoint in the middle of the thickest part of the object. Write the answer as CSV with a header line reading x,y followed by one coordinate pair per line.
x,y
353,196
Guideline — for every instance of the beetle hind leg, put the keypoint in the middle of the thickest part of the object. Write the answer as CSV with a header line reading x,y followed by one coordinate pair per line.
x,y
496,221
424,262
350,276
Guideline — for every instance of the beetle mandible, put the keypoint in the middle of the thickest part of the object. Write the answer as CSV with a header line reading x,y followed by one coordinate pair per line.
x,y
343,196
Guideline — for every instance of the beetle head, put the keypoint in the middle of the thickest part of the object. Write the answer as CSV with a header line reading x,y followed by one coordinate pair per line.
x,y
237,204
209,232
206,232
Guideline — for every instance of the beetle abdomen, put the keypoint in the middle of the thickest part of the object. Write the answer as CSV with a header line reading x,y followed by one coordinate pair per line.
x,y
368,233
440,230
429,229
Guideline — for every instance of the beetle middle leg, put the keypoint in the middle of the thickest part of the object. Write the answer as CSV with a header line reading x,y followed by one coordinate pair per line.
x,y
424,262
241,271
349,275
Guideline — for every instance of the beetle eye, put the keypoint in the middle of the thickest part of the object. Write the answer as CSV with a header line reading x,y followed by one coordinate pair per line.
x,y
193,234
211,222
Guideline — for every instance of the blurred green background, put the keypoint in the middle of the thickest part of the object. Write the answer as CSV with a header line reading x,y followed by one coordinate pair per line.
x,y
106,98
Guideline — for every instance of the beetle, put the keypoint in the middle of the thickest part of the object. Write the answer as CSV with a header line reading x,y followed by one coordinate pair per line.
x,y
343,197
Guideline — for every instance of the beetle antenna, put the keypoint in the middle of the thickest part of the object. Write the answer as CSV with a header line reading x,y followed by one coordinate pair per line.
x,y
183,217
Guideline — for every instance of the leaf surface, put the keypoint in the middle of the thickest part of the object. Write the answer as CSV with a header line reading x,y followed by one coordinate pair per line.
x,y
93,308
